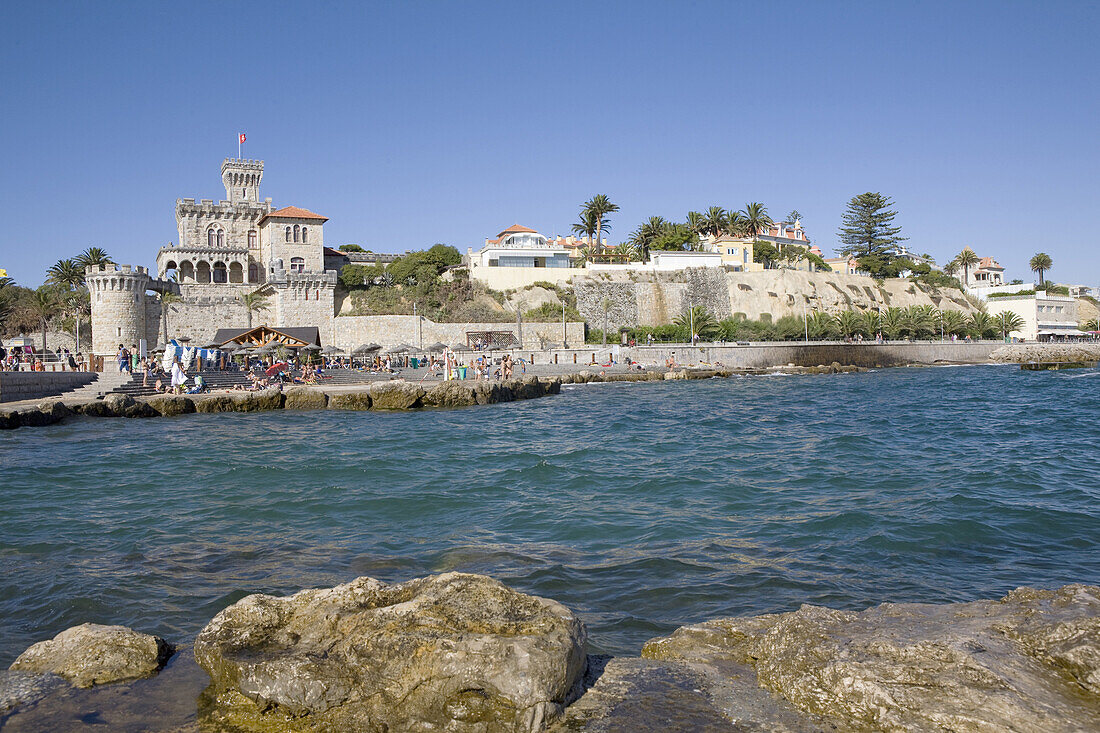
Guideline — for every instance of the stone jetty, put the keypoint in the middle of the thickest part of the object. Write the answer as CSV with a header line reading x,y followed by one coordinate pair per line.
x,y
1046,353
462,652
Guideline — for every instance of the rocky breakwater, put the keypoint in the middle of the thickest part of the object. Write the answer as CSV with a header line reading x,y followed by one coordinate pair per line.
x,y
391,395
452,652
1027,662
1025,353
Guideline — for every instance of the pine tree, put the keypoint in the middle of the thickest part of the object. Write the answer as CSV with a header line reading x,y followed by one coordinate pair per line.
x,y
867,228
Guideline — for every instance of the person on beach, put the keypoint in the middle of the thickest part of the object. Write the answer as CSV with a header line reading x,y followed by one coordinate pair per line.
x,y
179,377
122,358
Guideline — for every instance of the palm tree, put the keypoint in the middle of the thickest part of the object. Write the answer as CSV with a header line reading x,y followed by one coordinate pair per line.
x,y
953,323
93,257
629,250
43,304
78,304
1040,263
167,300
644,235
696,222
586,226
1007,322
1092,325
820,325
849,323
254,302
7,305
65,273
919,320
871,322
951,268
891,322
981,325
598,207
756,219
6,281
705,325
714,221
737,225
966,259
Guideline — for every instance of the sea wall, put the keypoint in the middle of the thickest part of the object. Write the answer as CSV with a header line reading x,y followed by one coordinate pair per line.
x,y
390,330
15,386
756,356
654,299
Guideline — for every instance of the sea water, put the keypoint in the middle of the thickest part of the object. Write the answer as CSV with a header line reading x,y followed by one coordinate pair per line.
x,y
640,506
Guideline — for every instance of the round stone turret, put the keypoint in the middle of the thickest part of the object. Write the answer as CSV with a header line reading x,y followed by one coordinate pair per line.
x,y
118,305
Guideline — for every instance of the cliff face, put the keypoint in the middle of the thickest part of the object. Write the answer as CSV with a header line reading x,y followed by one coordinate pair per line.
x,y
657,299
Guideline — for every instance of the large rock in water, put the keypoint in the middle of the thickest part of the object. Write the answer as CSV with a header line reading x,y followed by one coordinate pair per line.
x,y
91,654
1028,662
453,652
395,395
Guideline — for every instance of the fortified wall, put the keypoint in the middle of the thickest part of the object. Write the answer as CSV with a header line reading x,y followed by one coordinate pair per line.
x,y
390,330
655,299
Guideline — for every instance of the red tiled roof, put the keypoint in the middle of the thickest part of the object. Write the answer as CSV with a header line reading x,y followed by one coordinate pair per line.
x,y
293,212
988,263
516,229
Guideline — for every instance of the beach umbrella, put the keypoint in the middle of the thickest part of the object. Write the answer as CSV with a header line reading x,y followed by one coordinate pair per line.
x,y
398,349
311,347
374,347
365,348
275,369
330,350
230,347
437,347
415,350
457,346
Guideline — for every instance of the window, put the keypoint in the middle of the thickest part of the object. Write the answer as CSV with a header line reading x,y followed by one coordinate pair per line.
x,y
210,237
221,238
297,264
288,234
295,232
252,240
303,234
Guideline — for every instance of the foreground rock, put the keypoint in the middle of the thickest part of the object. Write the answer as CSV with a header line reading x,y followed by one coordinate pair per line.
x,y
91,654
451,652
1029,662
1023,353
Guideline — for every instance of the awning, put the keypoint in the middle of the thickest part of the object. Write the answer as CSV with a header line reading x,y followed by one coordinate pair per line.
x,y
1064,332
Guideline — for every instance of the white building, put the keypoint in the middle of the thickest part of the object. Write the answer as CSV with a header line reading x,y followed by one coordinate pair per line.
x,y
519,257
1045,317
662,261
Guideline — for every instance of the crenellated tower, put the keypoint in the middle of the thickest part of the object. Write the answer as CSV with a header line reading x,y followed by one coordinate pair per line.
x,y
242,179
117,295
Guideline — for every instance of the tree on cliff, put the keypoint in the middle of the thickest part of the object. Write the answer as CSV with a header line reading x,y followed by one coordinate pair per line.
x,y
1040,263
867,232
966,259
597,208
93,257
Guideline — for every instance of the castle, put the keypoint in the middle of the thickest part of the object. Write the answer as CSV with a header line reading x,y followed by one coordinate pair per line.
x,y
225,250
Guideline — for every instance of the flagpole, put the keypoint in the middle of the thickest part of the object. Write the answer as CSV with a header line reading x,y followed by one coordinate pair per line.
x,y
238,146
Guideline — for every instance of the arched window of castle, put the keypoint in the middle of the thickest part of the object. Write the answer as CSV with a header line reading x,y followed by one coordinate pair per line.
x,y
236,272
295,232
288,234
252,239
303,234
210,237
297,264
202,272
221,238
219,272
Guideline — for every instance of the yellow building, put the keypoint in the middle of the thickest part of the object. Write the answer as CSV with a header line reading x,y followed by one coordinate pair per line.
x,y
736,252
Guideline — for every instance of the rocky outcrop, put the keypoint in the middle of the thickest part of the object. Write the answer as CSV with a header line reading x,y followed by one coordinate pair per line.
x,y
118,405
91,654
450,394
305,398
1028,662
1023,353
395,395
452,652
267,399
349,401
172,405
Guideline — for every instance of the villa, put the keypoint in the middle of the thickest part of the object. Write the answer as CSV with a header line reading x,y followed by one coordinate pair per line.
x,y
518,257
1045,317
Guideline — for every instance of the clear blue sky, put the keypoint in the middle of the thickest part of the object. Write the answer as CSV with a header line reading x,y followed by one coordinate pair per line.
x,y
420,122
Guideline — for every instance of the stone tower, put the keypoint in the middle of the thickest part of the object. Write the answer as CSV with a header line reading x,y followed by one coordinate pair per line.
x,y
118,305
242,179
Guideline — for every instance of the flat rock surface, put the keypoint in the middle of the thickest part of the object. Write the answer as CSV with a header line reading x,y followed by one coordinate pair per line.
x,y
1023,353
452,652
91,654
1028,662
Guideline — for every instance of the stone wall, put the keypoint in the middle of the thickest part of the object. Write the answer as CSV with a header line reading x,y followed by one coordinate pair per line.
x,y
16,386
872,354
653,299
351,331
199,318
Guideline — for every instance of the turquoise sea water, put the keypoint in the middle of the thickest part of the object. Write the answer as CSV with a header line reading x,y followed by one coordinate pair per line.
x,y
642,506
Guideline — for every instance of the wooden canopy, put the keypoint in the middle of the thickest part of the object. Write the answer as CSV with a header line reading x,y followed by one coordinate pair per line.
x,y
266,335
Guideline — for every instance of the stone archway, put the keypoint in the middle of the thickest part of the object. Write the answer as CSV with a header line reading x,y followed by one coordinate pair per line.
x,y
202,272
219,273
236,272
187,271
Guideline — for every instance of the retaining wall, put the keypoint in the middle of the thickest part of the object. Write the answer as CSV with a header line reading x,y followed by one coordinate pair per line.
x,y
16,386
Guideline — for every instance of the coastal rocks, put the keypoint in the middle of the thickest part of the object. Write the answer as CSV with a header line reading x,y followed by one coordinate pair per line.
x,y
216,403
172,405
21,689
349,401
91,654
452,652
1030,661
395,395
267,399
305,398
47,413
1024,353
450,394
118,405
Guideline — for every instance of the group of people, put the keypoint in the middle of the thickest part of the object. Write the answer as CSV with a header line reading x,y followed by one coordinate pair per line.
x,y
23,358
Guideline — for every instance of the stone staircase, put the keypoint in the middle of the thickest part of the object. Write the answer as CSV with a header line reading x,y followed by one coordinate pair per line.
x,y
105,383
218,380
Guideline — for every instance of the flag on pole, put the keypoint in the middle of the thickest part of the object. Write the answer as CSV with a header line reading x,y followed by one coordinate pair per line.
x,y
242,138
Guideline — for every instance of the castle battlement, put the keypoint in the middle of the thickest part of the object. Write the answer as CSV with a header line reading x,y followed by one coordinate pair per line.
x,y
249,163
113,270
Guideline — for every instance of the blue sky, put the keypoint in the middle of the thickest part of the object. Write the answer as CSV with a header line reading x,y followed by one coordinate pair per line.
x,y
420,122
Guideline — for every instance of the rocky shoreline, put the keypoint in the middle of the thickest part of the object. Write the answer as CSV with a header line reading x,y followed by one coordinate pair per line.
x,y
1024,353
462,652
390,395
